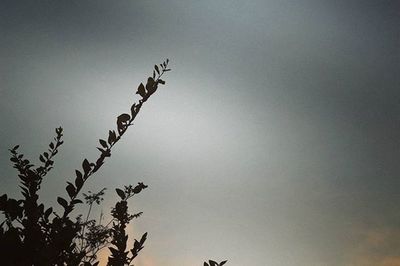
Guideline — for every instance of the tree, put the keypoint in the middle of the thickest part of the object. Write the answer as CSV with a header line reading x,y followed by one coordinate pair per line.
x,y
32,234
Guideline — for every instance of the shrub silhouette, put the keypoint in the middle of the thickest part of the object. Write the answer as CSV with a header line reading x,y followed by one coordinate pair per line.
x,y
32,234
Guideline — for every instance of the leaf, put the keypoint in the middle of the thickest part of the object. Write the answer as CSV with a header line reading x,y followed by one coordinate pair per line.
x,y
111,137
76,201
222,262
123,118
161,81
154,74
24,191
167,61
143,239
114,251
122,122
78,173
3,198
103,143
141,90
51,145
86,166
101,150
46,155
212,263
156,68
205,264
62,202
151,86
41,158
71,190
120,193
48,212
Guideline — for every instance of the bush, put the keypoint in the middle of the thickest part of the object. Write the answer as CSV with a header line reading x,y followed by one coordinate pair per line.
x,y
32,234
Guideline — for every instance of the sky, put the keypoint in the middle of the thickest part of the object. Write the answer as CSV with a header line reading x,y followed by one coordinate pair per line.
x,y
275,140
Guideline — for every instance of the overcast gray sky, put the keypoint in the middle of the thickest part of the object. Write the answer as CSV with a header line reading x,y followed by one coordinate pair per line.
x,y
274,142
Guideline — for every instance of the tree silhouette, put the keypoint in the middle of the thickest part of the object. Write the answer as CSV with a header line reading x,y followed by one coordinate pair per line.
x,y
32,234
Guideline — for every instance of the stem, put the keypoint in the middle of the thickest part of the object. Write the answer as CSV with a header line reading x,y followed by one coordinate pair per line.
x,y
84,226
94,167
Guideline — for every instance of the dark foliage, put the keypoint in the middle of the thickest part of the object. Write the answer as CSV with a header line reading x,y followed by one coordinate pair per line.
x,y
32,234
213,263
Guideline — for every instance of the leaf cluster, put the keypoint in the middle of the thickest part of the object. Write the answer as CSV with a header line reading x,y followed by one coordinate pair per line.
x,y
213,263
34,234
47,237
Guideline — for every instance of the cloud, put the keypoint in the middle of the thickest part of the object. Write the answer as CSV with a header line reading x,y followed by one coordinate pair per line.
x,y
377,247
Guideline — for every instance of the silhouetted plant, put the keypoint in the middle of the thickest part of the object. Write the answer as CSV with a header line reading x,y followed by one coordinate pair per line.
x,y
32,234
213,263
